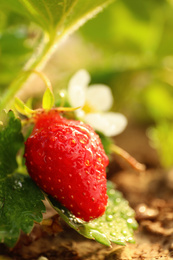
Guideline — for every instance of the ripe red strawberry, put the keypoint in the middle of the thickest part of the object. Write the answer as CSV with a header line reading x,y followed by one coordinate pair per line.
x,y
67,160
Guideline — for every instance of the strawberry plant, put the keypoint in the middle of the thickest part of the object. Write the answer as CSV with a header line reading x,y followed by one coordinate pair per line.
x,y
63,159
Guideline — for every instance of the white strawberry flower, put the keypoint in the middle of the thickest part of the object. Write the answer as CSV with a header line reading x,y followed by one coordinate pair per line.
x,y
94,101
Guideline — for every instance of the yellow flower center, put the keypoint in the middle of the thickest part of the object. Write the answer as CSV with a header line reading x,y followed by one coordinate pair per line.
x,y
88,108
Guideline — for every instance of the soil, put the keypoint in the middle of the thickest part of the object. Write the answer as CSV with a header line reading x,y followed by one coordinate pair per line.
x,y
149,193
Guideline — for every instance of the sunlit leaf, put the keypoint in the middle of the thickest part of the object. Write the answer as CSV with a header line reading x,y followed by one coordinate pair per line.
x,y
116,225
48,99
22,108
56,15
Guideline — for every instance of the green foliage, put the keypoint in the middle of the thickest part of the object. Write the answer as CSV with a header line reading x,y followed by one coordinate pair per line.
x,y
20,198
135,41
161,137
56,15
57,19
11,140
20,207
14,51
127,26
116,225
15,45
22,108
158,101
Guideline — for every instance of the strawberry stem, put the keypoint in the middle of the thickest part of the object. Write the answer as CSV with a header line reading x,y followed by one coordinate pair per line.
x,y
36,62
130,159
66,109
43,77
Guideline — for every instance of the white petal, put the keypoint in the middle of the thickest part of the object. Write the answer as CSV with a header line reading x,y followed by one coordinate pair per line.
x,y
80,114
77,88
110,124
99,97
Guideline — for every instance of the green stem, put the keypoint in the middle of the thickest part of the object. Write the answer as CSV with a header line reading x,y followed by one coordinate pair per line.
x,y
126,156
36,62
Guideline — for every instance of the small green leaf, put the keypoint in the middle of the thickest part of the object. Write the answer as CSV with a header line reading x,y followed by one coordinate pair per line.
x,y
116,225
22,108
20,199
48,99
11,140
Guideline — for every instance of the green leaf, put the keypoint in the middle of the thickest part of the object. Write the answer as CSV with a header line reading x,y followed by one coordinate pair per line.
x,y
116,225
20,206
56,15
20,198
22,108
48,99
15,50
11,140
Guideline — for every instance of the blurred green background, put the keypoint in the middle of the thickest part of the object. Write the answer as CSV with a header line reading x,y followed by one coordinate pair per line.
x,y
128,46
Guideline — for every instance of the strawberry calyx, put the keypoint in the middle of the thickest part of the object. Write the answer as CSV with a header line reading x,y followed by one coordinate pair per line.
x,y
47,105
48,100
